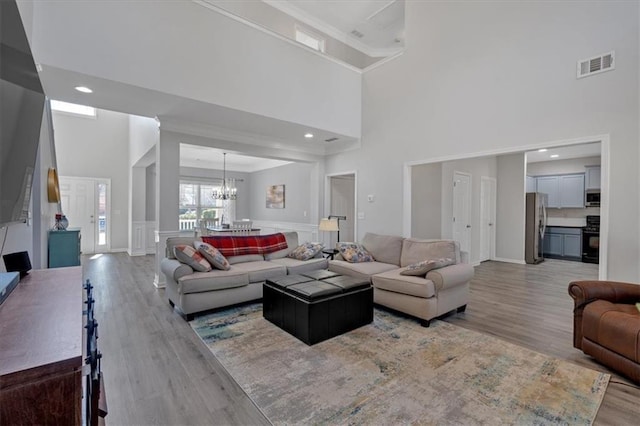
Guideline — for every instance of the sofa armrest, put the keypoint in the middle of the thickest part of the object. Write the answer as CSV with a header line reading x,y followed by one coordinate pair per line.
x,y
585,292
464,256
450,276
173,269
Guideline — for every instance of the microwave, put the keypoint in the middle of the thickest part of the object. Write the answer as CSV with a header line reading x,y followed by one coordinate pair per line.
x,y
592,198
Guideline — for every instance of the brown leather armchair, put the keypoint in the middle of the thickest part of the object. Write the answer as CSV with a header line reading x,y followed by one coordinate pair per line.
x,y
606,324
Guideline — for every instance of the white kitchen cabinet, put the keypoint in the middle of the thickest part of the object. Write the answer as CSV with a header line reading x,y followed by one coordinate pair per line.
x,y
571,189
531,184
549,185
592,177
564,191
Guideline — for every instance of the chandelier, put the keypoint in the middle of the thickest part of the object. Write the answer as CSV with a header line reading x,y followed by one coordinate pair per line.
x,y
227,191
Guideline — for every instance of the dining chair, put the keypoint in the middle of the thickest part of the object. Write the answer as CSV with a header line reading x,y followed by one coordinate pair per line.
x,y
242,226
207,225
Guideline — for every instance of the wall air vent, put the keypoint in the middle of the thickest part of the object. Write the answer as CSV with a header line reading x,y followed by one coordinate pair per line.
x,y
331,140
596,65
357,33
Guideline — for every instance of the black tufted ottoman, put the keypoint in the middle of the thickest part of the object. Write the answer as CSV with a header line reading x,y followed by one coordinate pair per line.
x,y
319,305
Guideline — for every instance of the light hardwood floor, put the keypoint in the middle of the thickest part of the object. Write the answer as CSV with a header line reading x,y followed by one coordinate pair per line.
x,y
157,371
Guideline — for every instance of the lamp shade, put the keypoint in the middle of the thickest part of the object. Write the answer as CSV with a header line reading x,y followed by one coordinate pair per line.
x,y
330,225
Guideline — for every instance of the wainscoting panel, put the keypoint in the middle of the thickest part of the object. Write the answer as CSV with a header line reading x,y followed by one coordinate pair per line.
x,y
138,239
151,237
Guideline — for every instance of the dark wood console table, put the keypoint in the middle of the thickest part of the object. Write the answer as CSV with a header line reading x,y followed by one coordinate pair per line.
x,y
41,349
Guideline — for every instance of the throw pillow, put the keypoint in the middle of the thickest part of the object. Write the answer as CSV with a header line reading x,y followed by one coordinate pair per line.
x,y
354,253
213,255
421,268
306,251
188,255
638,306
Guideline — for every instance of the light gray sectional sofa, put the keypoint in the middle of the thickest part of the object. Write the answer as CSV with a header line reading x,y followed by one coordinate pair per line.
x,y
426,297
200,291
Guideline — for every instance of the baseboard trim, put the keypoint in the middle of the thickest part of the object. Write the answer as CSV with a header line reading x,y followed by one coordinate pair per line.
x,y
506,260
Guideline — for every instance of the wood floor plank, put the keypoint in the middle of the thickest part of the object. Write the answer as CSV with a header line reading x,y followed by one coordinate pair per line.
x,y
159,372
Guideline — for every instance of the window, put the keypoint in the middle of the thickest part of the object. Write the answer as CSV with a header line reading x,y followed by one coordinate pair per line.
x,y
73,108
309,39
197,202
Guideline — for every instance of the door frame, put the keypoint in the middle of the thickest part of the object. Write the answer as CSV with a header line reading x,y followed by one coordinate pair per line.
x,y
493,214
327,197
605,141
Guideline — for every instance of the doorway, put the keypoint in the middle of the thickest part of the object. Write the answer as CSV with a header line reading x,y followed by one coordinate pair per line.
x,y
86,203
462,210
342,196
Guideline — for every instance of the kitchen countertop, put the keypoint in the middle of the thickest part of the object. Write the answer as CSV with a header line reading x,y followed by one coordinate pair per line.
x,y
567,222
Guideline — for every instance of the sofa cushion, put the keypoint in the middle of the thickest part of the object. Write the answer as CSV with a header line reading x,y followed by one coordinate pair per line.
x,y
261,270
614,326
295,266
213,280
360,270
190,256
415,250
354,252
384,248
175,241
411,285
306,251
421,268
292,243
245,258
213,256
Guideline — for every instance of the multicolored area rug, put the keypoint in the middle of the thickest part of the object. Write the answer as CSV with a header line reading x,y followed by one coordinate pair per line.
x,y
395,371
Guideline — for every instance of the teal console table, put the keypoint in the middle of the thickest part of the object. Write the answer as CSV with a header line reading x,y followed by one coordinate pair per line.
x,y
64,248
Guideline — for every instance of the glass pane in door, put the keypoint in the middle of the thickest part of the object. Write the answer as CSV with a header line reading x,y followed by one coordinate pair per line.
x,y
102,214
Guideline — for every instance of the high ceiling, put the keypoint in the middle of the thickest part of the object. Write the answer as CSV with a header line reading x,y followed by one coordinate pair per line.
x,y
372,25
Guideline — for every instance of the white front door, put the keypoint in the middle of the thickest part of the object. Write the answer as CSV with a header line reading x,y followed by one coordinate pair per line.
x,y
84,202
487,218
462,210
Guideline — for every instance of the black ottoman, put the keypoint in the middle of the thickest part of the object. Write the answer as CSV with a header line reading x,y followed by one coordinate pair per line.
x,y
317,310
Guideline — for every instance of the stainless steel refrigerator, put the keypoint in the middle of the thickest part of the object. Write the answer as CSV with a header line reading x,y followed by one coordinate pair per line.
x,y
535,224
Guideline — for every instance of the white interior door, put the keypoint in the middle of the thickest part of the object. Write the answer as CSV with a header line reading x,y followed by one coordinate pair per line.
x,y
85,202
462,210
343,204
487,218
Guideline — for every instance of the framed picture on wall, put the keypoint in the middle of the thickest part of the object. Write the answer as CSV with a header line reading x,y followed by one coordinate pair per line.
x,y
275,197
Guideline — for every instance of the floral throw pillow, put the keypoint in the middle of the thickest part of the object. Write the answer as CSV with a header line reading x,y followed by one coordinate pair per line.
x,y
421,268
213,255
354,253
306,251
190,256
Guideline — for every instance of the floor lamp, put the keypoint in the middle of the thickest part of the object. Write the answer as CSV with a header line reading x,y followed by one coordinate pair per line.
x,y
331,224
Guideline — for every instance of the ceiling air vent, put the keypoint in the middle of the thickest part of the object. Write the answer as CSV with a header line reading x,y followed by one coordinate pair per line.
x,y
597,64
357,33
331,140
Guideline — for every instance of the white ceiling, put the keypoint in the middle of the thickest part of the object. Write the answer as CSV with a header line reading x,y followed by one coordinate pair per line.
x,y
212,158
565,153
381,22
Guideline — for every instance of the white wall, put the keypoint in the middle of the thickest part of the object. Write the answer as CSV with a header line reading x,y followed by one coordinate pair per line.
x,y
98,148
504,79
426,201
510,207
197,53
299,188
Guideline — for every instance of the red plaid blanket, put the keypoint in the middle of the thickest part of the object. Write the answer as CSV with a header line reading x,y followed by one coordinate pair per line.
x,y
247,244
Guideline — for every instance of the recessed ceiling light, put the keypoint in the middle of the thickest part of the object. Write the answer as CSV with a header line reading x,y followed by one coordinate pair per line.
x,y
83,89
308,135
554,156
542,150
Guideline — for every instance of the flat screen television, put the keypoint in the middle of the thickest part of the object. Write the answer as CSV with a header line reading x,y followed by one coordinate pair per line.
x,y
22,102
